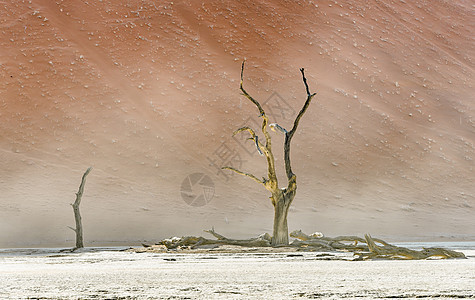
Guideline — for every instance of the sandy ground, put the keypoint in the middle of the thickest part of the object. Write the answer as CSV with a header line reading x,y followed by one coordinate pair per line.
x,y
125,275
146,92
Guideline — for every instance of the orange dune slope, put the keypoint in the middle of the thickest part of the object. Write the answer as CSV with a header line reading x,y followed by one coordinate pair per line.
x,y
147,93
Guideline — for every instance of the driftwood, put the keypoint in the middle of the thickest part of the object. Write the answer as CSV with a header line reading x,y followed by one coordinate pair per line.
x,y
367,248
394,252
337,243
192,242
363,248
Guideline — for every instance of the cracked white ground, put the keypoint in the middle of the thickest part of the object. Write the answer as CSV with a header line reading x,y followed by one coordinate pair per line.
x,y
124,275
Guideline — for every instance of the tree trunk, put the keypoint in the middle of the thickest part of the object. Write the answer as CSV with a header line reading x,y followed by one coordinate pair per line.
x,y
77,214
78,230
281,198
280,235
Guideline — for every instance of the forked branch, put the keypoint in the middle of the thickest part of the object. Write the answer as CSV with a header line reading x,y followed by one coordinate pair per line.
x,y
267,149
290,134
260,148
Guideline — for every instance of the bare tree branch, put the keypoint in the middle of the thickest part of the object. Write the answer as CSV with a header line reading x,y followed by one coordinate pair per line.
x,y
305,106
215,234
290,134
302,70
254,137
81,187
275,126
261,111
268,147
245,128
256,141
245,174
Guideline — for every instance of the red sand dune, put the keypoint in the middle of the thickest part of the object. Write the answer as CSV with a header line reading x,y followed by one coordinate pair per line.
x,y
148,93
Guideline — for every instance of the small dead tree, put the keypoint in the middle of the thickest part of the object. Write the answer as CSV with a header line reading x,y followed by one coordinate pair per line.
x,y
281,197
77,214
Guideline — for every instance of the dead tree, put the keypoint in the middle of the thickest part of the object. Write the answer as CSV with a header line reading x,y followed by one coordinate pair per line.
x,y
77,214
281,198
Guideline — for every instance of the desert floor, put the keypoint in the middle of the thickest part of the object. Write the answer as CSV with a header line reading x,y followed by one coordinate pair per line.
x,y
107,274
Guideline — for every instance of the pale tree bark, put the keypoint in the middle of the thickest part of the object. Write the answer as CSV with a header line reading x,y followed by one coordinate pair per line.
x,y
281,197
362,248
77,214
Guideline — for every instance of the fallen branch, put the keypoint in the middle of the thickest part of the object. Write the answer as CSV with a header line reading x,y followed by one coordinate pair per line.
x,y
363,249
192,242
394,252
368,249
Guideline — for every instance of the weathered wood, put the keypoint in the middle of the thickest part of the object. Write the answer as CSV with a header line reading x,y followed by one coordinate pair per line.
x,y
215,234
312,245
289,135
193,242
281,198
368,249
77,214
389,251
355,239
280,232
363,249
246,174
